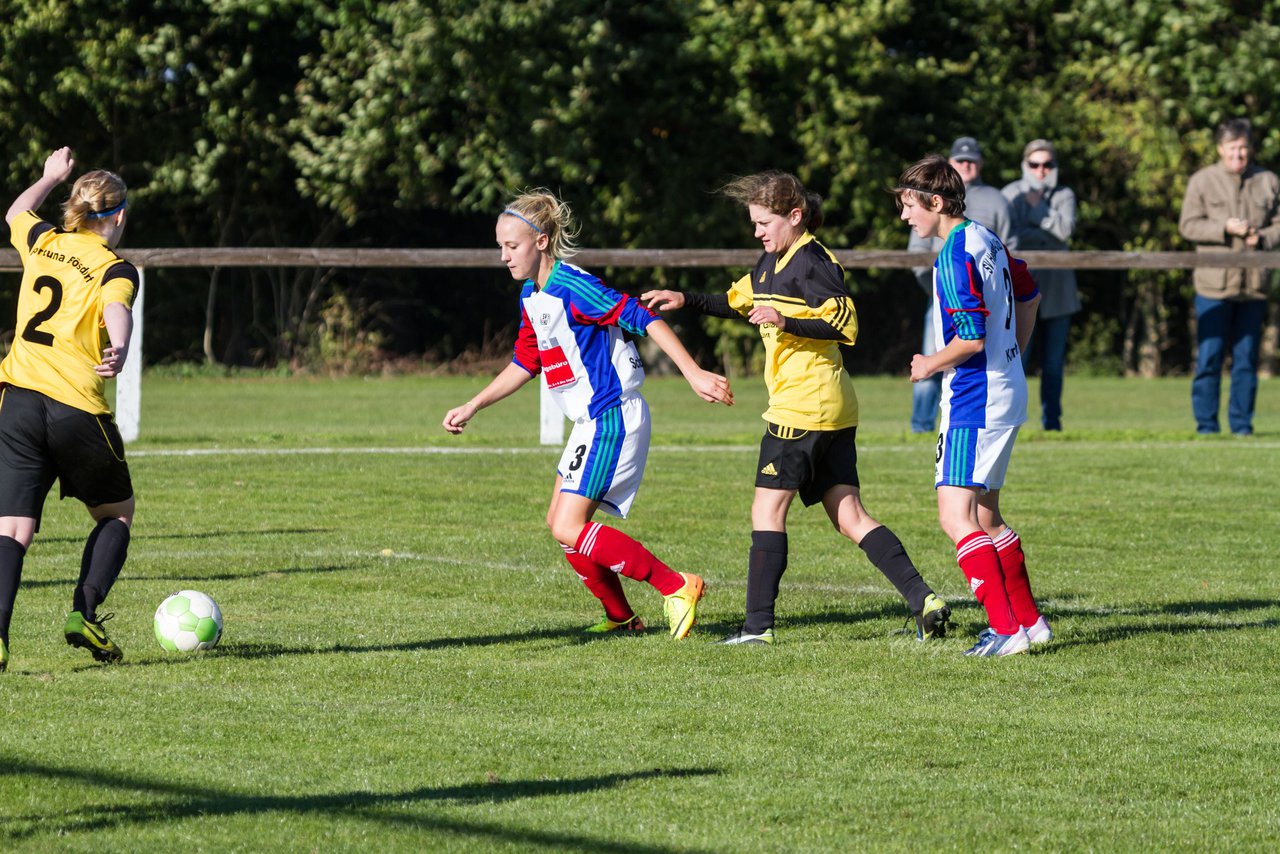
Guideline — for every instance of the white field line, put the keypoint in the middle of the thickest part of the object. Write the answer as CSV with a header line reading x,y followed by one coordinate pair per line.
x,y
430,450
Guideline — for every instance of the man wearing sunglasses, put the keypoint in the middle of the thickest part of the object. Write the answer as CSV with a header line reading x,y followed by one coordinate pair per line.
x,y
1044,216
1230,206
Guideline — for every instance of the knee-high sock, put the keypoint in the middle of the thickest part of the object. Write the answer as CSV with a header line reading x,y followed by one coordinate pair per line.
x,y
884,549
614,550
977,557
603,583
1016,581
11,556
104,555
765,565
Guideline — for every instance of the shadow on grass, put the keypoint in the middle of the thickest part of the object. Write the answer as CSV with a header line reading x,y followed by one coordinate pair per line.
x,y
1101,626
129,578
171,802
1091,624
874,620
189,535
567,636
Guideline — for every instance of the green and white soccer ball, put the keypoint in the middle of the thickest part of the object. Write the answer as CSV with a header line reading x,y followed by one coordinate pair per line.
x,y
188,620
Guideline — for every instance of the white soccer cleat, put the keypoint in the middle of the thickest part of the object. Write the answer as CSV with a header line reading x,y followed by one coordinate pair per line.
x,y
1039,632
991,644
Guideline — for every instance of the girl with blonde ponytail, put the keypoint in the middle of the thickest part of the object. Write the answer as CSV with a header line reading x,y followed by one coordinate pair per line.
x,y
571,332
72,334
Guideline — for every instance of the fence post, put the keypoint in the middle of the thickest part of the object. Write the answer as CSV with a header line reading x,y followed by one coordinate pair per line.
x,y
129,382
550,416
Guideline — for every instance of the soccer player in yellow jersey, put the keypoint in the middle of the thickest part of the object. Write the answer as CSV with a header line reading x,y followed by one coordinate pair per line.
x,y
797,297
72,334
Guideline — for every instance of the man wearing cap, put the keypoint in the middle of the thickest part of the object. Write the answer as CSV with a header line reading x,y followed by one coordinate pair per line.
x,y
1230,206
1044,216
983,204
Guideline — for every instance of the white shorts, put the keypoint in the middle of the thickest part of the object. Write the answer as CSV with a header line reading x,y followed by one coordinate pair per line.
x,y
973,456
605,457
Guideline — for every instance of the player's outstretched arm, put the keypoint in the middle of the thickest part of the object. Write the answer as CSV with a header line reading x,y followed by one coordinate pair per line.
x,y
712,388
57,168
506,383
663,300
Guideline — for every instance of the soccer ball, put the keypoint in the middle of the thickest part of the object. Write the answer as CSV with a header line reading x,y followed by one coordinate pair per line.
x,y
188,620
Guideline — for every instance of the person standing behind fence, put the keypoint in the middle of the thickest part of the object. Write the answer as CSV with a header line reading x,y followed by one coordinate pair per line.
x,y
1230,206
986,205
1044,217
54,419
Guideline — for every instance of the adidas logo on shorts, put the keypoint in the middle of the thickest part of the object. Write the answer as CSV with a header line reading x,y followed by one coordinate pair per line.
x,y
769,470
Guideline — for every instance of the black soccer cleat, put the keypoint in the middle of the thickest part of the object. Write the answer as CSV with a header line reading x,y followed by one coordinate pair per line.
x,y
931,622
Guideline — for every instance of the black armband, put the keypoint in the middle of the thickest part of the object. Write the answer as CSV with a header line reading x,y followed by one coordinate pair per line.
x,y
811,327
716,305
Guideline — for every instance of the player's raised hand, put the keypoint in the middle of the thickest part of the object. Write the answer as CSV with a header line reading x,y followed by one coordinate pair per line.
x,y
456,419
59,164
712,388
663,300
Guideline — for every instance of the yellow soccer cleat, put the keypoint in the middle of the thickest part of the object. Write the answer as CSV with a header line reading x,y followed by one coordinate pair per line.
x,y
633,624
681,607
4,656
90,635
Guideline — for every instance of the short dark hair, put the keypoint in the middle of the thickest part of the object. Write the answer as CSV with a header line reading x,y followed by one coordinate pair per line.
x,y
779,193
1233,129
933,176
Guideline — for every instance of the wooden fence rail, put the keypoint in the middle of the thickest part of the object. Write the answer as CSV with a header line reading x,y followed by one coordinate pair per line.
x,y
853,259
128,386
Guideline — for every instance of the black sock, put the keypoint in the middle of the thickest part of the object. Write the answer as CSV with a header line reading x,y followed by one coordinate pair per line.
x,y
104,555
884,549
767,562
11,555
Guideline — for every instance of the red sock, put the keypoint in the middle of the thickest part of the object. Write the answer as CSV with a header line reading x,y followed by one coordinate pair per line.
x,y
603,583
979,562
1016,581
614,550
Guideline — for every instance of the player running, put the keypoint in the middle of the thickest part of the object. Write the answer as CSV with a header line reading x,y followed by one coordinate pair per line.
x,y
571,327
987,306
54,419
797,297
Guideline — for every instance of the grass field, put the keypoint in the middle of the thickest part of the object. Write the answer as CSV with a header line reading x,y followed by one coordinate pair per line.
x,y
403,667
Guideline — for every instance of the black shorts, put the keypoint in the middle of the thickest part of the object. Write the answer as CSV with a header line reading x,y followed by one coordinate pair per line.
x,y
811,461
42,440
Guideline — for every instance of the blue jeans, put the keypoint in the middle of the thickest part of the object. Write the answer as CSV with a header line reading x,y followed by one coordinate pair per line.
x,y
1050,339
1223,325
926,395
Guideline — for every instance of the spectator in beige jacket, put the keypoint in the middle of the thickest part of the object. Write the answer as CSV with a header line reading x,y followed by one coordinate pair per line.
x,y
1230,206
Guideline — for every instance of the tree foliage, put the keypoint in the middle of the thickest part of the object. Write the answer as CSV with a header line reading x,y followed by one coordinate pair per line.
x,y
408,122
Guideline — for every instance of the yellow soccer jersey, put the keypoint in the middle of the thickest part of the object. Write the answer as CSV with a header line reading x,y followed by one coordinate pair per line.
x,y
808,386
67,280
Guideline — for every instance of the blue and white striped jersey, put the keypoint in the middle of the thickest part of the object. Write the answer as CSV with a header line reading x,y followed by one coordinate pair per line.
x,y
571,332
976,284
